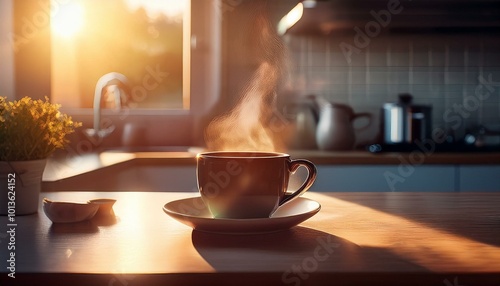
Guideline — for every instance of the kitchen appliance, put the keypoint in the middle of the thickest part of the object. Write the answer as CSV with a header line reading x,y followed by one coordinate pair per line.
x,y
335,130
305,123
404,122
484,136
326,125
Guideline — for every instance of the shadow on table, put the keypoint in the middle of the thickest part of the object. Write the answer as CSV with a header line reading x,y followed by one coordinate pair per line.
x,y
73,228
462,214
87,226
310,249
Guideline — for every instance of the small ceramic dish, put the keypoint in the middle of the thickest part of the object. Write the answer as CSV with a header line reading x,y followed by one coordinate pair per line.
x,y
66,212
105,206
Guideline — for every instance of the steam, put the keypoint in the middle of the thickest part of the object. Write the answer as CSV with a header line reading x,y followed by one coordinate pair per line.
x,y
248,126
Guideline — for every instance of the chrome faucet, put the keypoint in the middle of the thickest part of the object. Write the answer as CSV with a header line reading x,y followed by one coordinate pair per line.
x,y
113,82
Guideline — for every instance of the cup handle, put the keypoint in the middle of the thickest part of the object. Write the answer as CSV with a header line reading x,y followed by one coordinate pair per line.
x,y
293,165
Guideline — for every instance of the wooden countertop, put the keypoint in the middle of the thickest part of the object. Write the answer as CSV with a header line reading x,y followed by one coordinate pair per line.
x,y
61,167
356,239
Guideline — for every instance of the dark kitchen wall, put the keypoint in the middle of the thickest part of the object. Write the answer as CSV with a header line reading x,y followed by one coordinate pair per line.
x,y
441,69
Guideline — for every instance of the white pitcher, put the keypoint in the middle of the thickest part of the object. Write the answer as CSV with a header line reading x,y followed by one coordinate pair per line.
x,y
335,130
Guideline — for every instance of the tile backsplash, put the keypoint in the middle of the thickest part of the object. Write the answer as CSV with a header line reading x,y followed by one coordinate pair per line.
x,y
441,70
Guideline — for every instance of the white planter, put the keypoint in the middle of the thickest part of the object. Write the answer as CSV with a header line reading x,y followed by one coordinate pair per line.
x,y
27,181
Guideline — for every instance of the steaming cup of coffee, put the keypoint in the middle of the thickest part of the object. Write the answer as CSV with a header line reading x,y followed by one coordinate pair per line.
x,y
248,184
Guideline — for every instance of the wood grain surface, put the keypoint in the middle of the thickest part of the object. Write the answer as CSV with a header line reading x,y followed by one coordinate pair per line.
x,y
356,239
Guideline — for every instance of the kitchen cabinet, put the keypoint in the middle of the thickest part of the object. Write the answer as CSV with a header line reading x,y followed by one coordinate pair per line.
x,y
479,178
353,178
337,172
337,178
435,178
386,178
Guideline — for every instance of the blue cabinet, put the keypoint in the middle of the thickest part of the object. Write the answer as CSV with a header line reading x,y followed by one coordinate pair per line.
x,y
386,178
479,178
405,178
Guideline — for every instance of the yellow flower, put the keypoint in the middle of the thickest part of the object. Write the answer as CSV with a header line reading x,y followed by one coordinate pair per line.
x,y
32,129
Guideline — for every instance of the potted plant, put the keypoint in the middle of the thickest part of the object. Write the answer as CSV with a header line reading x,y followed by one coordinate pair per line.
x,y
30,131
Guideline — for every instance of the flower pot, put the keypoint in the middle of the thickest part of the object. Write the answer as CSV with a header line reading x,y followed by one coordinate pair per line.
x,y
20,185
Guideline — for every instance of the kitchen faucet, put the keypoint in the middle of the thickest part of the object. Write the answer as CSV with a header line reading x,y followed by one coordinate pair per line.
x,y
118,85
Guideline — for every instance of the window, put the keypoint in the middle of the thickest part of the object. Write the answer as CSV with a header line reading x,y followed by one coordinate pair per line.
x,y
168,49
147,41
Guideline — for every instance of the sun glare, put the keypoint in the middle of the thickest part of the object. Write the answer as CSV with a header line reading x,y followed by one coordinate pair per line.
x,y
154,8
68,20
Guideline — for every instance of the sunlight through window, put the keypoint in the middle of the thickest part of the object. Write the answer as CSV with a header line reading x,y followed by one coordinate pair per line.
x,y
68,20
156,8
147,41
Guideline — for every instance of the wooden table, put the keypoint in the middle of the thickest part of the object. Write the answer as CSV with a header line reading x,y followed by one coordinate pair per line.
x,y
356,239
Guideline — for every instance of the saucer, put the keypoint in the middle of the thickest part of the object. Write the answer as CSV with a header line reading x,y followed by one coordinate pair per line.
x,y
193,212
